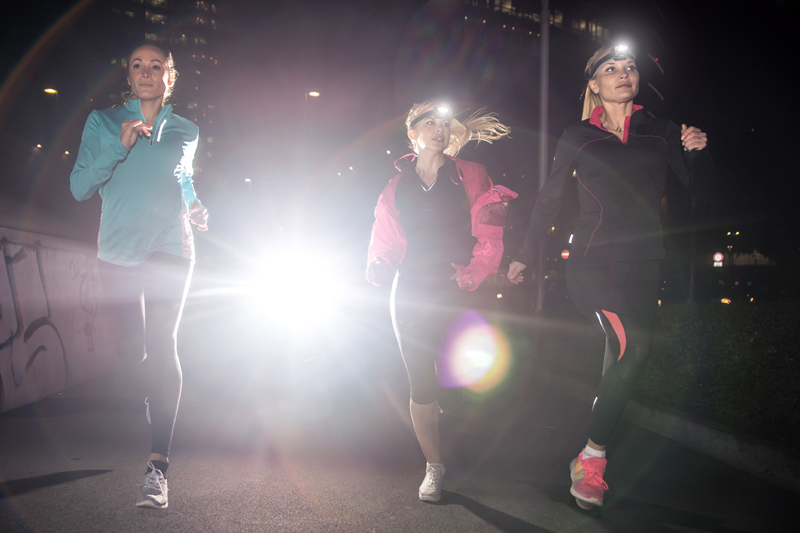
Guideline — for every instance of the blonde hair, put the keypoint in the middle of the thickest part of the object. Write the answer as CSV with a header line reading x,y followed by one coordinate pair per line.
x,y
590,99
477,127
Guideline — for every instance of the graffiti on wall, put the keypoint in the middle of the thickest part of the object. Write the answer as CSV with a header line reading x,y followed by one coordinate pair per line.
x,y
29,340
81,270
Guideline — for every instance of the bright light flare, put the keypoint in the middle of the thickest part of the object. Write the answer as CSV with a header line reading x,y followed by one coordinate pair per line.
x,y
475,355
295,289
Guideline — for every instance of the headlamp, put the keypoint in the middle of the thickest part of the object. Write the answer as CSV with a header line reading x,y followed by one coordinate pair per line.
x,y
439,111
617,53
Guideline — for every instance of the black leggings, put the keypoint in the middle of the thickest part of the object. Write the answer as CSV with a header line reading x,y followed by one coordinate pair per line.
x,y
147,302
621,298
422,311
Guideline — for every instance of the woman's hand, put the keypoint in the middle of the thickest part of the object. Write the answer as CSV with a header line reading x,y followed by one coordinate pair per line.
x,y
198,215
462,276
131,130
693,138
515,272
379,273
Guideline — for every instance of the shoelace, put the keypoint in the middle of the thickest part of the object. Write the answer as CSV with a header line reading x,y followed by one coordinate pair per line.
x,y
591,473
433,477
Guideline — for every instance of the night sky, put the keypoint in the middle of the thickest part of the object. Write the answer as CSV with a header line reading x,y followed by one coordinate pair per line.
x,y
727,70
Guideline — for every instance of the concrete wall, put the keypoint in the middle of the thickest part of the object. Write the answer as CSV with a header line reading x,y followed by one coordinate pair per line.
x,y
55,330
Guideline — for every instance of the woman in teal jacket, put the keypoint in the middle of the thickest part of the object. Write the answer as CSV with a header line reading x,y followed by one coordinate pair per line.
x,y
139,158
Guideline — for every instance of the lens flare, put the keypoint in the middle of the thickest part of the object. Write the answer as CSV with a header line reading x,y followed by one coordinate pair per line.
x,y
474,355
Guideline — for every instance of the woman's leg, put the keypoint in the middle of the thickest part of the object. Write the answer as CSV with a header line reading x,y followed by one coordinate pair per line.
x,y
622,298
414,320
168,279
124,291
426,425
411,316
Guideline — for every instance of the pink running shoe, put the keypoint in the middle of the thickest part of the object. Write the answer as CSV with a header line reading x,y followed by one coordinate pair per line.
x,y
587,481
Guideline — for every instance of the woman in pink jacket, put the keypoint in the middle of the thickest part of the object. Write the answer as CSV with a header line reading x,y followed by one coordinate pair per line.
x,y
438,233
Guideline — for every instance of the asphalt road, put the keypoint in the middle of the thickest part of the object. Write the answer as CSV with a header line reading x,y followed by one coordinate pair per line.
x,y
326,445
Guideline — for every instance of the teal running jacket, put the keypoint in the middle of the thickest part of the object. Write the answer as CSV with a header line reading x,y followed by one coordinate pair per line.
x,y
146,190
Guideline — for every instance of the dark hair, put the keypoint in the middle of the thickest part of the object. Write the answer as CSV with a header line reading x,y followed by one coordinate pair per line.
x,y
170,65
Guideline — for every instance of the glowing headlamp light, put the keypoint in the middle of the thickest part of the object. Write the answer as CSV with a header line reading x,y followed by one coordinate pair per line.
x,y
617,53
440,112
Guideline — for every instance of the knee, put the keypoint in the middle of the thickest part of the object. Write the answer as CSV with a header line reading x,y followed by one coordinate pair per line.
x,y
423,395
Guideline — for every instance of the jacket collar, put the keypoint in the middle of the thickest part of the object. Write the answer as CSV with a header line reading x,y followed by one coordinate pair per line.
x,y
596,120
135,105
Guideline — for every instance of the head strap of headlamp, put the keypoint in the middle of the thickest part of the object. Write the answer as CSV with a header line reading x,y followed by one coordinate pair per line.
x,y
617,53
439,111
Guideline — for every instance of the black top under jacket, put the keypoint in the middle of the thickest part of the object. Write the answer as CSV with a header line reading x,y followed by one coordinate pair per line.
x,y
437,223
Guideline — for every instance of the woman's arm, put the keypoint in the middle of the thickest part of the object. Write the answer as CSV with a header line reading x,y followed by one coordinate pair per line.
x,y
198,214
548,203
690,159
387,246
94,166
488,206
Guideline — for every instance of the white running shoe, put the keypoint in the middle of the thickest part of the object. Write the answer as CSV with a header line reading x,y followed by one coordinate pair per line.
x,y
154,490
431,488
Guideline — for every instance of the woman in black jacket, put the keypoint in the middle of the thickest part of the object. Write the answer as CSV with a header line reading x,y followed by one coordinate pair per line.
x,y
620,156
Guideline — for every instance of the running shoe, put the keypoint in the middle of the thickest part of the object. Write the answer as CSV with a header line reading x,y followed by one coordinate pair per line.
x,y
588,486
154,490
431,488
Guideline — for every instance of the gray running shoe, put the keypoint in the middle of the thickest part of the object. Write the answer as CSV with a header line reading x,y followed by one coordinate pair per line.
x,y
431,488
154,490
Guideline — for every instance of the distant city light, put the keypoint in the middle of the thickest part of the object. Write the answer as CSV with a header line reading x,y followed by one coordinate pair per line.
x,y
388,151
726,301
38,146
50,90
351,168
313,94
66,152
247,180
499,295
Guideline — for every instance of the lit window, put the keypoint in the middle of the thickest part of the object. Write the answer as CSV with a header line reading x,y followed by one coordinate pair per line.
x,y
155,18
125,13
149,36
210,139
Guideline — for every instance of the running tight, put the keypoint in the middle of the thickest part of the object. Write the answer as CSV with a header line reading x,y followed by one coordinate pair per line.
x,y
147,302
622,299
422,311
